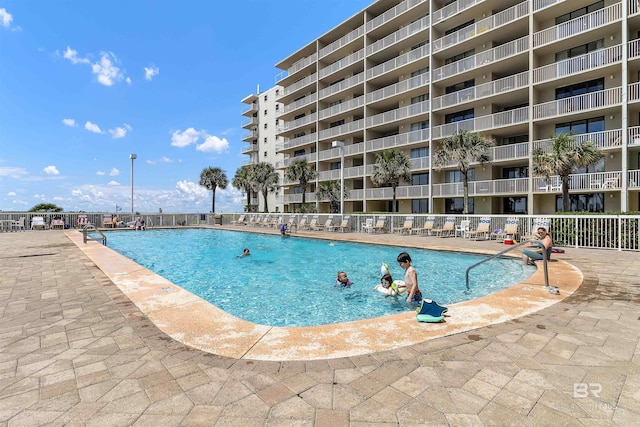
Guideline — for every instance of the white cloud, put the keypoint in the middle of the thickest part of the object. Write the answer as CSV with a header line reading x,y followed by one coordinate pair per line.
x,y
5,18
113,183
69,122
72,55
114,172
162,159
51,170
39,196
92,127
182,139
150,72
101,173
128,80
120,132
213,144
106,70
15,173
190,189
11,194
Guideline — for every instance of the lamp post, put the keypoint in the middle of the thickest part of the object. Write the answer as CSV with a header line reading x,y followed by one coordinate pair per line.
x,y
340,145
132,157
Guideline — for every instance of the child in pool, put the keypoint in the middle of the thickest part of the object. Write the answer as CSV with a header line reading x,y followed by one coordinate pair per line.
x,y
390,287
342,279
410,278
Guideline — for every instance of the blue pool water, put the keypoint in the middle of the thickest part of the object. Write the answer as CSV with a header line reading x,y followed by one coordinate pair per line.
x,y
290,281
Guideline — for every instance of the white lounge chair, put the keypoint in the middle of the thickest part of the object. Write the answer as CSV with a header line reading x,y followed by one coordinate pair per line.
x,y
37,223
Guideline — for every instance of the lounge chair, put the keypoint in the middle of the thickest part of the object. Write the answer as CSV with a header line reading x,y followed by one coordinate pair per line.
x,y
292,224
406,227
82,221
303,222
380,226
447,228
18,225
56,224
239,221
343,226
510,229
107,221
462,228
426,228
328,223
37,223
483,228
368,226
312,224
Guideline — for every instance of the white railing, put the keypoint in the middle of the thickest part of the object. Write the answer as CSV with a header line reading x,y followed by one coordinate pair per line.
x,y
567,67
604,140
633,7
401,34
296,142
491,121
578,25
414,137
249,148
510,152
498,53
251,107
342,85
483,188
392,13
483,90
494,21
541,4
249,121
354,126
402,192
309,99
453,9
303,63
334,153
419,163
250,134
398,114
398,61
634,179
633,92
634,135
342,107
588,101
398,88
297,123
633,49
281,164
297,198
298,85
334,174
342,41
341,63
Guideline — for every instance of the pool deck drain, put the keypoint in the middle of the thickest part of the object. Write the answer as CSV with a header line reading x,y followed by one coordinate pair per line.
x,y
197,323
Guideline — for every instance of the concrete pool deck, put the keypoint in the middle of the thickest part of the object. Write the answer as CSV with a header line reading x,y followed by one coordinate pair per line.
x,y
76,351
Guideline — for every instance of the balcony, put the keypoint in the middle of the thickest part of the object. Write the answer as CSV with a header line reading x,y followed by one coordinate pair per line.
x,y
249,122
483,90
542,4
496,54
634,136
299,85
590,182
343,107
345,129
391,116
283,164
334,153
582,24
249,148
633,8
399,88
341,64
300,103
453,9
496,187
634,92
402,192
504,17
420,163
414,137
392,13
576,104
297,198
295,124
633,49
568,67
250,135
297,142
396,37
604,140
342,85
342,41
398,62
334,174
488,122
510,152
634,180
252,108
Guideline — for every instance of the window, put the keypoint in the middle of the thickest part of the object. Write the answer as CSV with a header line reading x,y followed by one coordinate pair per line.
x,y
460,56
334,166
298,153
515,172
578,127
579,50
265,154
265,112
277,93
580,88
417,153
336,123
299,116
420,98
514,205
456,176
336,102
265,97
459,27
461,115
277,107
277,122
420,206
580,12
583,202
460,86
420,71
456,205
265,125
420,179
515,139
420,125
265,140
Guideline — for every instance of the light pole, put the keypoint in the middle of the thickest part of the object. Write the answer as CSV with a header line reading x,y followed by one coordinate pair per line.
x,y
132,157
340,145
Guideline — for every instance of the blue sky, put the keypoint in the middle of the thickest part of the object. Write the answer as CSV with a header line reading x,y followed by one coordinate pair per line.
x,y
83,84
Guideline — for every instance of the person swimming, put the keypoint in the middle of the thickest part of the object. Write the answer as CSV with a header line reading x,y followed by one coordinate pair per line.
x,y
388,286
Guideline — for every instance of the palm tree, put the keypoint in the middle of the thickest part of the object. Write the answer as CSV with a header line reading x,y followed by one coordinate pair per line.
x,y
212,178
563,159
390,168
300,170
330,190
463,148
264,179
242,181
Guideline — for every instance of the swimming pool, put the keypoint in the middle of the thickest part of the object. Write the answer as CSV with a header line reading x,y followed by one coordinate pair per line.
x,y
289,281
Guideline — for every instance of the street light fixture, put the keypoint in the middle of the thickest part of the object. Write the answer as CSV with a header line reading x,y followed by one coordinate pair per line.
x,y
132,157
340,145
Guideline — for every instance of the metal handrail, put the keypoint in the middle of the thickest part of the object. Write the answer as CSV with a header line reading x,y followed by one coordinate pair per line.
x,y
92,227
510,248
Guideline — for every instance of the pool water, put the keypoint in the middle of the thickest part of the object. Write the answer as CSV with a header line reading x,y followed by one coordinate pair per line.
x,y
290,281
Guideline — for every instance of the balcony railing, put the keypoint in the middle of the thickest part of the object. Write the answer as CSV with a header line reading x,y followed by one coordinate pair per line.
x,y
491,121
582,24
414,137
334,153
309,99
589,101
595,181
297,142
342,63
510,152
633,7
634,92
250,134
342,41
633,49
398,88
483,90
541,4
297,66
494,21
342,85
401,34
297,198
453,9
419,163
342,107
603,140
634,179
298,85
398,114
483,188
392,13
355,126
251,107
498,53
311,158
634,135
302,121
398,61
567,67
334,174
249,148
249,121
402,192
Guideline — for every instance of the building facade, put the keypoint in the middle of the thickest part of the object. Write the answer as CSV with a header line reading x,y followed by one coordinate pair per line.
x,y
260,137
407,74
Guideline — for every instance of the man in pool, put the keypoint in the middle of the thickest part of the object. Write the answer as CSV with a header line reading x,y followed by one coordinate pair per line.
x,y
410,278
245,253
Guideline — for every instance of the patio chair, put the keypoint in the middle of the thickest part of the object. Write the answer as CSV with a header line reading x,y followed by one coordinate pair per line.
x,y
303,222
343,226
292,224
239,221
368,225
37,223
107,221
462,228
380,226
483,228
510,229
328,223
406,227
18,225
447,228
82,220
426,228
56,224
312,224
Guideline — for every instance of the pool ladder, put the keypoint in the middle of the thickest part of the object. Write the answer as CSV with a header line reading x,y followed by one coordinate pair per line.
x,y
91,228
510,248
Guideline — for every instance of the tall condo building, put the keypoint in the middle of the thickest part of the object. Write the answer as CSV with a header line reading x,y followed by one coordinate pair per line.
x,y
407,74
